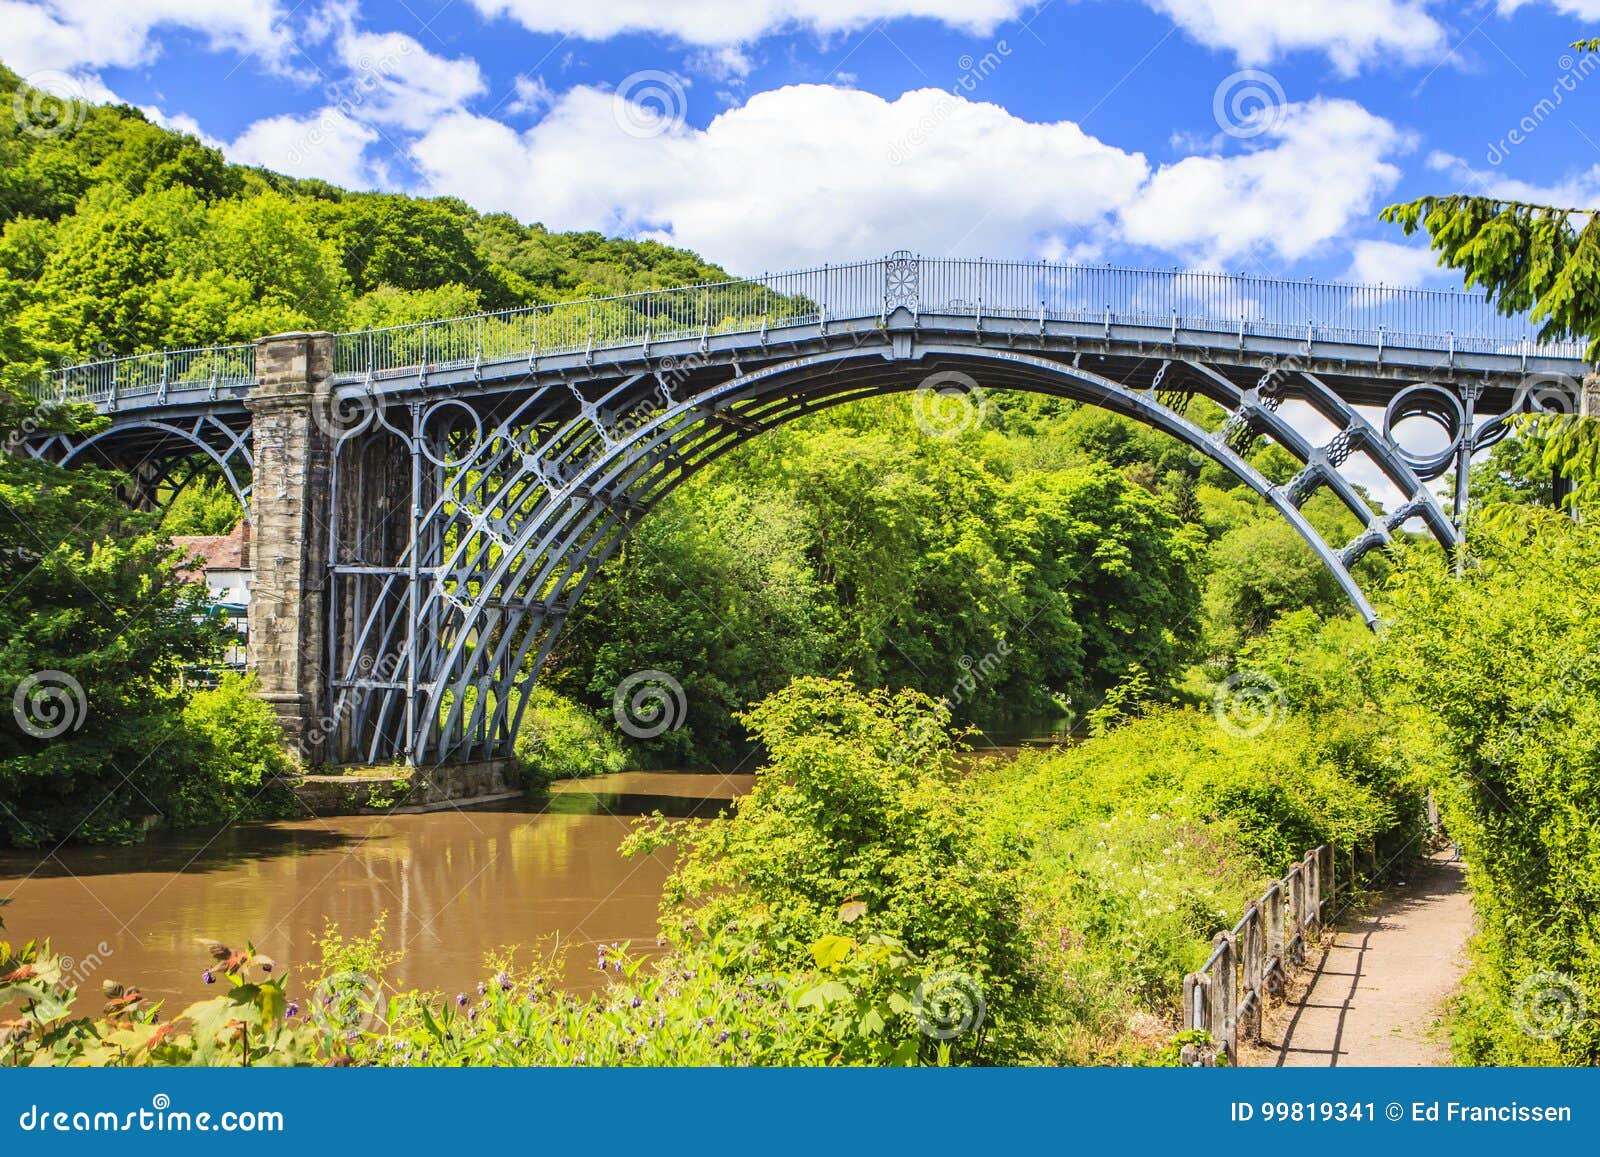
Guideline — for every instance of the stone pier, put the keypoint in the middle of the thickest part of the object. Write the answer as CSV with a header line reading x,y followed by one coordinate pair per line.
x,y
292,500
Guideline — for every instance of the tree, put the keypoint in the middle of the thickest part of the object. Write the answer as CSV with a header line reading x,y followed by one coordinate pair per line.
x,y
95,628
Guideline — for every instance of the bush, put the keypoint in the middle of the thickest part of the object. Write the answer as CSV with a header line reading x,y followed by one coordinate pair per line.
x,y
558,739
860,823
1496,677
1148,840
235,753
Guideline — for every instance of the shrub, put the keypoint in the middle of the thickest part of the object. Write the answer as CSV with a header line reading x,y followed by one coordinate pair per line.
x,y
860,823
559,739
1495,675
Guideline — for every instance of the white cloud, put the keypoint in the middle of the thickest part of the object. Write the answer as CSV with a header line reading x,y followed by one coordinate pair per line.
x,y
325,144
740,21
1584,9
726,62
1325,165
1579,190
179,122
533,96
71,35
1390,263
395,81
1350,32
795,176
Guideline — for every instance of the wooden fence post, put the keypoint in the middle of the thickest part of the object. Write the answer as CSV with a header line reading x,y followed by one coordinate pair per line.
x,y
1225,997
1296,947
1275,941
1255,971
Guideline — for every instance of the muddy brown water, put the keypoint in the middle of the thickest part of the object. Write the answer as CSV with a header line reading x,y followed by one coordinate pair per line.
x,y
451,885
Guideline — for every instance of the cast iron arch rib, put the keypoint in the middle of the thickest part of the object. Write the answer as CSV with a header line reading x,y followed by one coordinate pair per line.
x,y
509,537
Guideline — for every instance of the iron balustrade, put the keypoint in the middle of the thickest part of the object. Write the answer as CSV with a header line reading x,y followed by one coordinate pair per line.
x,y
1307,310
109,382
1254,959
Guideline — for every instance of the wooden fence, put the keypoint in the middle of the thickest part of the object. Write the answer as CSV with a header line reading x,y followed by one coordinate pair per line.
x,y
1253,961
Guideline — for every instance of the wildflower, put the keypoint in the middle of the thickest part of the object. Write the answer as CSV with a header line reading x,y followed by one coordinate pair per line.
x,y
504,981
293,1009
635,1002
461,1000
482,988
722,1036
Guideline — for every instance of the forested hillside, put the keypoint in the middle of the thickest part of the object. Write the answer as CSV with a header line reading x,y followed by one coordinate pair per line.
x,y
122,236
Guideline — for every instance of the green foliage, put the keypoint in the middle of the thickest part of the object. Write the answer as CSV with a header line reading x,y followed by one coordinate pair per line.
x,y
97,616
854,540
122,236
1497,678
1529,258
234,753
205,506
248,1025
860,822
560,740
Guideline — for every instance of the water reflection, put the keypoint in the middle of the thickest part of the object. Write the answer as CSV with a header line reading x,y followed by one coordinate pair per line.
x,y
452,885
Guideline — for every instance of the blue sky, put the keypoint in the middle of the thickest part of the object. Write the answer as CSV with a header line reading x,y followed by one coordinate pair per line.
x,y
1245,135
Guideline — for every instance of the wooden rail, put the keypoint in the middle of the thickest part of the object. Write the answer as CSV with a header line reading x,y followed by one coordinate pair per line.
x,y
1253,961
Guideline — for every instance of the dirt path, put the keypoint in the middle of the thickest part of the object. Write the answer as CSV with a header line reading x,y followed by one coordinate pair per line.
x,y
1375,996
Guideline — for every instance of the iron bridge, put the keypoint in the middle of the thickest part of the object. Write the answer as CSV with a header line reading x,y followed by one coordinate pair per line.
x,y
430,501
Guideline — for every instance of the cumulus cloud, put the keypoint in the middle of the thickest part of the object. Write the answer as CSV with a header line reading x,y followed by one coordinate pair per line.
x,y
73,35
1350,32
326,144
812,173
1579,190
739,21
797,175
1322,165
395,81
1391,263
1583,9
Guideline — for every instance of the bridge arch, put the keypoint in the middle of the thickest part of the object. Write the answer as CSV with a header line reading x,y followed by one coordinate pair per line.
x,y
156,453
515,522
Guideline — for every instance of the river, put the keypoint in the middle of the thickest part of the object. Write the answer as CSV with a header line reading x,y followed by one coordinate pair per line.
x,y
452,884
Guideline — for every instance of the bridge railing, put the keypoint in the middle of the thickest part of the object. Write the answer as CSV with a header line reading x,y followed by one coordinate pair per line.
x,y
109,382
1307,310
1228,994
1241,306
